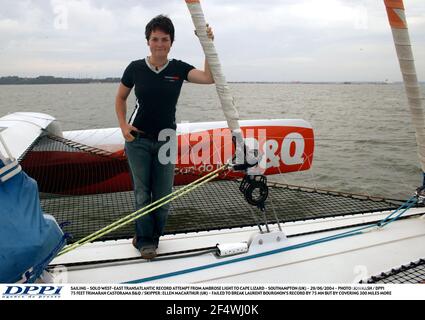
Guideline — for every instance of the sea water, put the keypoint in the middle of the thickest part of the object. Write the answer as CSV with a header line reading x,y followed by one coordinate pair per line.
x,y
364,138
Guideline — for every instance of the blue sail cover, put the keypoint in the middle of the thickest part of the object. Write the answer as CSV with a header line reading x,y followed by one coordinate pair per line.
x,y
29,239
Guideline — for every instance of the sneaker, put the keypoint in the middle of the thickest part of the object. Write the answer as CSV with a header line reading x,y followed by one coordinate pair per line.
x,y
148,252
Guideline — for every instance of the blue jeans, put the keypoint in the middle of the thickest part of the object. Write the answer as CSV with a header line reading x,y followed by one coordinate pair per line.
x,y
152,180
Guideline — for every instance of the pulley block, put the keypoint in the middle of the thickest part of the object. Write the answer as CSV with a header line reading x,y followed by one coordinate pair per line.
x,y
255,190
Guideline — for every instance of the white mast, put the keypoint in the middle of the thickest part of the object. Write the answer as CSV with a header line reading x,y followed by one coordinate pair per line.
x,y
243,153
223,90
397,19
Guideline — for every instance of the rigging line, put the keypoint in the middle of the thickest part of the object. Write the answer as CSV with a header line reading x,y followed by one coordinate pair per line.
x,y
222,263
409,203
81,146
145,210
161,256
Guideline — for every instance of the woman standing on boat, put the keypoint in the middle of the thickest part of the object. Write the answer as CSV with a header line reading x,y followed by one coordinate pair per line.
x,y
157,82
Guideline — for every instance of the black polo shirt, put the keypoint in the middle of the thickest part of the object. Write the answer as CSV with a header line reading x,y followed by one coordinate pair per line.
x,y
156,93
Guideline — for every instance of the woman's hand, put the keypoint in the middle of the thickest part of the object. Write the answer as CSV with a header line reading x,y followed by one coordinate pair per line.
x,y
126,128
202,76
210,33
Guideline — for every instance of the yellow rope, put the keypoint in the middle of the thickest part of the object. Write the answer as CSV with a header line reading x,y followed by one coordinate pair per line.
x,y
145,210
151,204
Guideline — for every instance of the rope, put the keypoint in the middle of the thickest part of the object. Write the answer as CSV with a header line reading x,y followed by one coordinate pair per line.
x,y
161,256
82,147
404,207
145,210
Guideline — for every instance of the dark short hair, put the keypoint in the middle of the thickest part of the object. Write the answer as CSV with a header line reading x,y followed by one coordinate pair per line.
x,y
162,23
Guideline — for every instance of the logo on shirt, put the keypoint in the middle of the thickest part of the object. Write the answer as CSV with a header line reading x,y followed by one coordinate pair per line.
x,y
171,78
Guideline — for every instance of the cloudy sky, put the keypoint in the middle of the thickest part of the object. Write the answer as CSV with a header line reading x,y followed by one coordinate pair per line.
x,y
273,40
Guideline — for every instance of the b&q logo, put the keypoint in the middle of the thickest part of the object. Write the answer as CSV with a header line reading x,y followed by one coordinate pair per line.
x,y
32,291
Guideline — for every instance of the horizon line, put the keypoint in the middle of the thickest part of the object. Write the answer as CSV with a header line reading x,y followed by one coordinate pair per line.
x,y
48,78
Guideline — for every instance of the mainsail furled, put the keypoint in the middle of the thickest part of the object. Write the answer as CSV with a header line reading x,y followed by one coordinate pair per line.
x,y
397,19
223,90
244,156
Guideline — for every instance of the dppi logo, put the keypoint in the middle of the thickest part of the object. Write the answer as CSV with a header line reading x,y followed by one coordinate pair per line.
x,y
32,291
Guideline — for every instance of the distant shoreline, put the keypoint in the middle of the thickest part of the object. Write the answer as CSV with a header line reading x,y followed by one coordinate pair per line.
x,y
53,80
14,80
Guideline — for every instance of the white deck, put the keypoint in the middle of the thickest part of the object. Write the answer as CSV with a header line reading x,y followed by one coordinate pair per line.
x,y
345,260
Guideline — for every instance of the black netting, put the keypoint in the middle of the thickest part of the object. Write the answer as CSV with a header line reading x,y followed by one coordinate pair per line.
x,y
215,205
413,272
